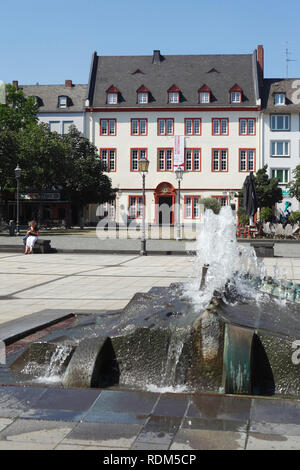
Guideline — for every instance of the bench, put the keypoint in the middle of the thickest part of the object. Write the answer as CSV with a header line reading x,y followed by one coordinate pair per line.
x,y
42,246
263,249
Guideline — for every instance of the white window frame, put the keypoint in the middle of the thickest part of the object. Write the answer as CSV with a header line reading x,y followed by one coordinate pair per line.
x,y
108,157
173,97
286,174
57,124
274,122
142,98
279,99
112,98
236,97
69,124
165,159
285,147
204,97
62,101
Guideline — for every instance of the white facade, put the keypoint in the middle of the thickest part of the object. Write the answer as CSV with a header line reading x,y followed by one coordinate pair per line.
x,y
281,150
207,180
60,122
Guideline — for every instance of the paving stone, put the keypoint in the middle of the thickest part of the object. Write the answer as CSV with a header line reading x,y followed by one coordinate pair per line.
x,y
49,432
284,429
149,446
104,434
67,399
215,424
159,430
219,407
258,441
139,403
11,445
171,404
4,422
15,400
194,439
80,447
275,411
53,415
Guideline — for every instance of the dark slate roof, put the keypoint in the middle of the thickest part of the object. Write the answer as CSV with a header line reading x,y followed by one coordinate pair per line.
x,y
48,97
188,72
289,86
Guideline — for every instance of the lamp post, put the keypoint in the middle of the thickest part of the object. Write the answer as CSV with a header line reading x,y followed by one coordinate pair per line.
x,y
179,175
18,172
143,165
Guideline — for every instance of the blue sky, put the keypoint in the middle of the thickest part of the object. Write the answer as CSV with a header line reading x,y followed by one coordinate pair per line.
x,y
49,42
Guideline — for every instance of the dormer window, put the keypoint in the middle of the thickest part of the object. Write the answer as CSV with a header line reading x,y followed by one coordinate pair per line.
x,y
62,101
279,99
204,94
112,95
173,94
142,95
236,94
236,97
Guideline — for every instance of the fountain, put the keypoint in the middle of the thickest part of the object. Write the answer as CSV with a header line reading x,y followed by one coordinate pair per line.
x,y
231,329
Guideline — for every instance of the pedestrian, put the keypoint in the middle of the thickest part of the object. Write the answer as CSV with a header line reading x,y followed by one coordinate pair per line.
x,y
31,236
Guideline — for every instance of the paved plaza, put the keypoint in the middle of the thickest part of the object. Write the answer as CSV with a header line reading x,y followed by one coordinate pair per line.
x,y
89,282
52,418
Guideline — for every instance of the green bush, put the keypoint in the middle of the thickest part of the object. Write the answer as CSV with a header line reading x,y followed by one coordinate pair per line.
x,y
266,214
294,218
243,218
211,203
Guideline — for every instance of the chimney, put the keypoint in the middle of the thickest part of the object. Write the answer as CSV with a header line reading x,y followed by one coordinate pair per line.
x,y
156,57
68,83
15,83
260,63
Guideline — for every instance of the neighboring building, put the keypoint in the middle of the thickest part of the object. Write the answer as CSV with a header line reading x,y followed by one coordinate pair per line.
x,y
60,106
138,105
281,132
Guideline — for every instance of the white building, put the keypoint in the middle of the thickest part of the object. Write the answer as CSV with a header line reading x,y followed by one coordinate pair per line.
x,y
281,133
137,106
60,106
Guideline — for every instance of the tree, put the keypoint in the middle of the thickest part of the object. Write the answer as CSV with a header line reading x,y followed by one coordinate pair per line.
x,y
84,181
294,186
267,190
18,113
211,203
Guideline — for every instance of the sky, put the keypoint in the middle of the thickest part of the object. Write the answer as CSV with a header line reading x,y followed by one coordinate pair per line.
x,y
50,42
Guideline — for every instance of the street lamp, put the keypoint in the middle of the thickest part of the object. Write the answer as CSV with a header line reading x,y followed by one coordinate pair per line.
x,y
179,175
18,172
143,165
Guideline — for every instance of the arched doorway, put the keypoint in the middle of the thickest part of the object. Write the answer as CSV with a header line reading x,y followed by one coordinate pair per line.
x,y
164,198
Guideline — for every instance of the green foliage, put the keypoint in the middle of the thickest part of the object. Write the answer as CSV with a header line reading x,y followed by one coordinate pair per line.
x,y
211,203
48,160
17,114
294,217
41,157
294,186
267,190
84,181
266,214
243,218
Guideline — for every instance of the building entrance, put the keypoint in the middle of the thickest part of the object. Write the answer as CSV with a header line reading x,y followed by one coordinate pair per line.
x,y
165,196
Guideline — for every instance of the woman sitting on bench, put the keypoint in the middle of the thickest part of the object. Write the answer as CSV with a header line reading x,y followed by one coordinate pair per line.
x,y
32,236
